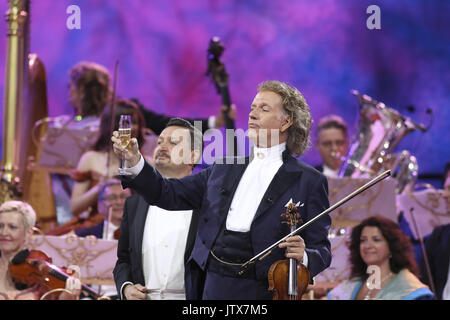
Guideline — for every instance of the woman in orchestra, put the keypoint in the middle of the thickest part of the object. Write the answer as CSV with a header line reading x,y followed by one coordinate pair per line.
x,y
382,265
99,164
17,220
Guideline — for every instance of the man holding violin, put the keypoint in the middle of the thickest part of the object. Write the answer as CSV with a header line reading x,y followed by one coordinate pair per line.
x,y
240,204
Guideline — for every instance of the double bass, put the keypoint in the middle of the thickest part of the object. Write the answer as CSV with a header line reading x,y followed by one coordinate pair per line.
x,y
219,75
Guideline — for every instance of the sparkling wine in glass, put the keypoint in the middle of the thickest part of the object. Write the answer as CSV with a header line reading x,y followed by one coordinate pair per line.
x,y
125,138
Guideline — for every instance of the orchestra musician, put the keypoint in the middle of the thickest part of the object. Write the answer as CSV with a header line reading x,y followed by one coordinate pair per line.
x,y
97,166
111,200
380,250
240,204
332,144
17,220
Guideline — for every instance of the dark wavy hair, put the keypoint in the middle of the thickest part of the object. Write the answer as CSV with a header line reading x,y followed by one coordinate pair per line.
x,y
399,245
122,106
91,84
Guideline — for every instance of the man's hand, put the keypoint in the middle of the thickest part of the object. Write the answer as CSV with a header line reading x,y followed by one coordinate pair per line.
x,y
130,153
295,248
135,292
220,118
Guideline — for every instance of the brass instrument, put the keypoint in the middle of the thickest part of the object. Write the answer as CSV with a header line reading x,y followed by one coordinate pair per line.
x,y
380,130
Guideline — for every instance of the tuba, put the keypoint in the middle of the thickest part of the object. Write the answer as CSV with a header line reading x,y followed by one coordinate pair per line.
x,y
371,152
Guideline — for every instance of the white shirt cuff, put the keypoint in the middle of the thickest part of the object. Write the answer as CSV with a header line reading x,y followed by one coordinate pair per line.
x,y
137,168
122,296
211,122
305,259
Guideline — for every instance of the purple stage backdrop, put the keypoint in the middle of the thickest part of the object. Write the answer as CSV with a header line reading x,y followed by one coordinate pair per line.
x,y
324,48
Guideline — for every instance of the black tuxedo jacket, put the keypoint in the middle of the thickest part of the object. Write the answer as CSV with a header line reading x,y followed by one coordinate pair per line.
x,y
211,192
96,231
129,250
437,246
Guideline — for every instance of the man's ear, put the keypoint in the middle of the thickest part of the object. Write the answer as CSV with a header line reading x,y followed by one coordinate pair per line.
x,y
286,122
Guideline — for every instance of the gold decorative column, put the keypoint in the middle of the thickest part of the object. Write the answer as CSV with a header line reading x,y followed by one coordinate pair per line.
x,y
16,18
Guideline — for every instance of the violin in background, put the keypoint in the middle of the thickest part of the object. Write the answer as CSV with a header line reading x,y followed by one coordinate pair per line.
x,y
34,267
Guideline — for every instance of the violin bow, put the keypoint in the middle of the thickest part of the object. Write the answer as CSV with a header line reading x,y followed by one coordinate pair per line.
x,y
269,249
424,252
111,128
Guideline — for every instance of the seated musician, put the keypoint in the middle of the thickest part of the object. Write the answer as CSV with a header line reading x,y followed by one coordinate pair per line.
x,y
382,265
332,143
96,166
437,248
111,199
17,220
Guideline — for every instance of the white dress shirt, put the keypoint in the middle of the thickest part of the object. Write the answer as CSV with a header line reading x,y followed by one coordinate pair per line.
x,y
446,292
163,248
330,173
253,185
108,233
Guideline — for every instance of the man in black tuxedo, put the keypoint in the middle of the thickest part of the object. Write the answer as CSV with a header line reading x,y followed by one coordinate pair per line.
x,y
154,243
332,143
240,201
437,246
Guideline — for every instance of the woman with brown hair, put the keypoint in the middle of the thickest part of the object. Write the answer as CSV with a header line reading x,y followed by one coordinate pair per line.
x,y
100,163
382,265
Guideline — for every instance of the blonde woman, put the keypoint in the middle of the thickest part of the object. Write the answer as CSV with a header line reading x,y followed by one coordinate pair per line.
x,y
17,220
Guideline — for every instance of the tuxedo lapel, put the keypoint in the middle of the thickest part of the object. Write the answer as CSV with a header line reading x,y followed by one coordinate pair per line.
x,y
139,224
284,178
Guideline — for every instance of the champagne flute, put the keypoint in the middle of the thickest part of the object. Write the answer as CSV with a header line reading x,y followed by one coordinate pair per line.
x,y
125,138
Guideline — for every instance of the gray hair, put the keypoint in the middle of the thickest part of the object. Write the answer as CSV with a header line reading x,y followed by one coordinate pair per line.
x,y
23,208
295,106
105,185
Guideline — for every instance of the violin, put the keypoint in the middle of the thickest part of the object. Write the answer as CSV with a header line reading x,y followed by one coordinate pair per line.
x,y
117,234
289,279
35,268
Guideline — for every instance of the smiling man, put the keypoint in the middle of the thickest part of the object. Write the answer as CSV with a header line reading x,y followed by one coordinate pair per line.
x,y
240,204
154,243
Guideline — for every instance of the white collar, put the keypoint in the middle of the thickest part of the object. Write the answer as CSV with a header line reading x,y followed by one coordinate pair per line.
x,y
330,172
272,153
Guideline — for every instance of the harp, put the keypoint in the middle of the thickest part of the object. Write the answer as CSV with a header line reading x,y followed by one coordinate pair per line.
x,y
25,102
